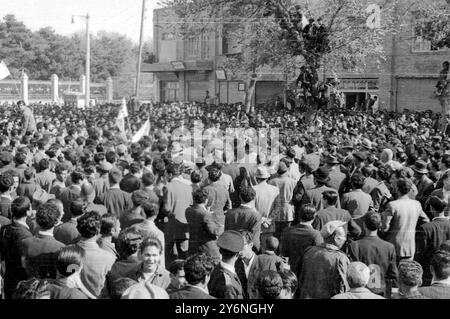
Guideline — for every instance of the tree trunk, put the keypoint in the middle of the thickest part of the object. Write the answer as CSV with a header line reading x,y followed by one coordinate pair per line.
x,y
249,95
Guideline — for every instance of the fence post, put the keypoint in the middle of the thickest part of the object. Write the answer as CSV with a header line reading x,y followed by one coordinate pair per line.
x,y
55,88
109,89
24,83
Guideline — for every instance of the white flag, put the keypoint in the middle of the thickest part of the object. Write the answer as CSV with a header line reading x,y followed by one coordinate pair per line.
x,y
143,131
4,72
123,113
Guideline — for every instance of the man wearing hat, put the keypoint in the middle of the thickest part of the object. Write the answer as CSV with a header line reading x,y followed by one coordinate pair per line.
x,y
315,195
424,184
311,156
265,196
336,176
101,184
357,202
283,210
28,121
294,171
322,270
224,282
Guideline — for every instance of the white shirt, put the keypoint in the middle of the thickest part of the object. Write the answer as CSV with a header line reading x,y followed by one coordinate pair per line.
x,y
445,281
247,267
46,232
445,194
228,267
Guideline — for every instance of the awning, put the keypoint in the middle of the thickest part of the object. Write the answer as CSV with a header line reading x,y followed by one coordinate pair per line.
x,y
167,67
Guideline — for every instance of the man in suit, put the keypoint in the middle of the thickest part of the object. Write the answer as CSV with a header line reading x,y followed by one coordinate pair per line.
x,y
295,240
115,199
336,176
400,220
10,239
283,210
203,227
245,217
39,252
331,212
218,196
430,236
45,177
197,271
440,269
377,254
71,193
424,184
224,282
134,215
29,123
67,232
97,262
315,195
6,186
357,202
177,198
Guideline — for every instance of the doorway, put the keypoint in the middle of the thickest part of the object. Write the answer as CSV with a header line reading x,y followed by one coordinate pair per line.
x,y
355,101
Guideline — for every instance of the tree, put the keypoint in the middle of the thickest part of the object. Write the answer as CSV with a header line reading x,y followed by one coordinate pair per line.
x,y
270,38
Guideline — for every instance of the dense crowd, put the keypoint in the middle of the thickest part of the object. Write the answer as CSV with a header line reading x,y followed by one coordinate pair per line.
x,y
345,204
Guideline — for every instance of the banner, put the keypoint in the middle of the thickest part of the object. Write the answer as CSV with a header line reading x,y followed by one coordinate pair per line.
x,y
123,113
143,131
4,72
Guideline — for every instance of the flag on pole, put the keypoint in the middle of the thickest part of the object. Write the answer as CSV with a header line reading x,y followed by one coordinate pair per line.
x,y
123,113
4,72
143,131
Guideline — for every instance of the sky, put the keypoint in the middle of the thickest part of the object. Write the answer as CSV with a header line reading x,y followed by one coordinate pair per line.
x,y
122,16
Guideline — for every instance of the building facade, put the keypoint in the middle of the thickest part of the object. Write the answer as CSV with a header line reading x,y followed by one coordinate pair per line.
x,y
190,70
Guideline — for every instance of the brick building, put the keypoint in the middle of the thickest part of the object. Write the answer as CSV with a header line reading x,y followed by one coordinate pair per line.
x,y
187,69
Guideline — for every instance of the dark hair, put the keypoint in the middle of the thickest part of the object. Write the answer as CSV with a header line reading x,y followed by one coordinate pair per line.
x,y
138,197
148,179
47,216
247,193
76,177
130,184
135,167
289,279
20,158
438,204
69,260
109,221
111,157
89,224
227,254
6,182
128,242
200,195
214,174
150,241
119,286
61,168
31,289
150,208
174,169
440,263
20,206
307,212
372,220
410,273
404,186
196,177
176,266
197,268
330,197
270,284
272,243
357,181
77,208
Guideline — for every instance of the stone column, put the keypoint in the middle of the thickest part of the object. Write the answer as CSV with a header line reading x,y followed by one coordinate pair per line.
x,y
24,83
55,87
83,84
109,89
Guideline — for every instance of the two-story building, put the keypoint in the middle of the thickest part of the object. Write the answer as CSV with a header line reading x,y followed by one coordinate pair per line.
x,y
187,69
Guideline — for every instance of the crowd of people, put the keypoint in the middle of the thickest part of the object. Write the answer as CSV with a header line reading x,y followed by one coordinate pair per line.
x,y
353,205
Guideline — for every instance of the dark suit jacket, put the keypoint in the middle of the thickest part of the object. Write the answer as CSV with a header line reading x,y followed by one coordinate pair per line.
x,y
436,291
5,207
225,284
40,252
10,239
295,240
203,231
67,233
116,201
190,292
245,218
68,195
218,199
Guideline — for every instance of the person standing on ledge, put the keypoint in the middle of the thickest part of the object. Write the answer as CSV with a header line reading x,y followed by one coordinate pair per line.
x,y
28,121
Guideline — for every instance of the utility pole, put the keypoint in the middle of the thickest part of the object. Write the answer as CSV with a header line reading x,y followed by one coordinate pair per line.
x,y
88,64
141,46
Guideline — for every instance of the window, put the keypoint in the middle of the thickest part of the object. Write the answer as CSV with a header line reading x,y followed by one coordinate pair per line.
x,y
192,47
168,36
205,46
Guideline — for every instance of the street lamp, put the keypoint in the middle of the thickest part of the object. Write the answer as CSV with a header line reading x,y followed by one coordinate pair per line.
x,y
88,58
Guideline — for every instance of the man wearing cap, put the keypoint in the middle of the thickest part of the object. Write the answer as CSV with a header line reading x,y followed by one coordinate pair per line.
x,y
264,199
336,176
357,202
28,121
311,156
322,271
425,185
224,282
315,195
283,210
358,276
245,217
101,184
71,193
